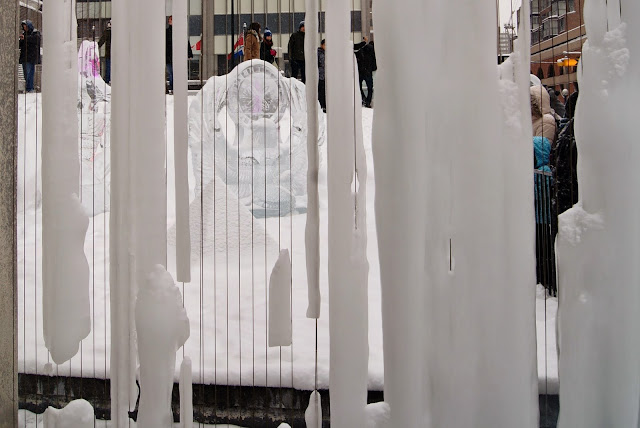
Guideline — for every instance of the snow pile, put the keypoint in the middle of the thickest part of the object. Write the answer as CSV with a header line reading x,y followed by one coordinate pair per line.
x,y
162,328
76,414
456,261
599,241
378,415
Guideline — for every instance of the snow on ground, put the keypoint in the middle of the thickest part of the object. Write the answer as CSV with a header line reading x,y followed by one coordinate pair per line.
x,y
226,300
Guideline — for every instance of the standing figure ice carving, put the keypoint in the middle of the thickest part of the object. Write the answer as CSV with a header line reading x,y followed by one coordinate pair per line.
x,y
253,123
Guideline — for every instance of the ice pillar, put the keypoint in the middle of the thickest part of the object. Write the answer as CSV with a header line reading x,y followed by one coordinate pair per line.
x,y
121,266
441,207
598,243
348,266
312,231
181,140
66,318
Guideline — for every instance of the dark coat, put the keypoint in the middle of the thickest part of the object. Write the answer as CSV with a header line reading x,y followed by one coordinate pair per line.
x,y
296,46
366,57
321,54
266,51
169,45
30,45
105,40
564,165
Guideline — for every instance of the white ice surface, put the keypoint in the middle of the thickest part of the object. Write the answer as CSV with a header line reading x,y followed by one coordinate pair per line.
x,y
76,414
313,414
221,362
186,393
280,301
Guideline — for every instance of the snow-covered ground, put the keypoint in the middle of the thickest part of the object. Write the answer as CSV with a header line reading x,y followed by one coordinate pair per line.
x,y
227,299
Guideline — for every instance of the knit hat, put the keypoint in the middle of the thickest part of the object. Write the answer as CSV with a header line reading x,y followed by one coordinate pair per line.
x,y
267,32
301,25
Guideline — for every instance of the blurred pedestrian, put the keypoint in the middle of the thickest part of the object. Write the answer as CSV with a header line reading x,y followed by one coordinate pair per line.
x,y
169,53
105,40
296,53
322,94
29,52
367,64
267,53
252,42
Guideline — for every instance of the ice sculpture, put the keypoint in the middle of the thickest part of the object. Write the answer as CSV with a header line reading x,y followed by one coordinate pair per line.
x,y
163,327
66,305
598,241
249,129
347,226
280,301
313,414
459,332
94,111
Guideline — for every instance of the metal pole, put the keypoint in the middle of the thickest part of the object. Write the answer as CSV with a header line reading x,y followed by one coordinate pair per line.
x,y
8,203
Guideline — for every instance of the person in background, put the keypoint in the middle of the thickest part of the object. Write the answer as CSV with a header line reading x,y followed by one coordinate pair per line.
x,y
29,52
544,129
252,42
366,57
105,40
556,105
296,53
267,53
169,53
565,94
322,94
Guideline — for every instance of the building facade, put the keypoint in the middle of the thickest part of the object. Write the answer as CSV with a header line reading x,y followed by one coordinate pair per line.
x,y
215,25
557,36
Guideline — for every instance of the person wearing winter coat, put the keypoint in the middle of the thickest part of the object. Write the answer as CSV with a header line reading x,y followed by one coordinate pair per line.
x,y
564,164
267,53
252,42
556,105
169,53
322,94
367,64
105,40
29,52
544,124
296,53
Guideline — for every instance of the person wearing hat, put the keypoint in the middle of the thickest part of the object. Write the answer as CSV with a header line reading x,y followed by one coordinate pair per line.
x,y
29,52
105,40
296,53
267,53
252,42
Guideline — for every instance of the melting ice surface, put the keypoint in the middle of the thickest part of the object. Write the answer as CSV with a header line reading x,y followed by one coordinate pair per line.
x,y
249,129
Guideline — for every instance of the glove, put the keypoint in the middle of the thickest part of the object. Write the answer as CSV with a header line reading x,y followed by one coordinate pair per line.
x,y
273,52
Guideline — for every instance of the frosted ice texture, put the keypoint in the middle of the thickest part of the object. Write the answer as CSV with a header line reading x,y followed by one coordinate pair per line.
x,y
162,328
443,228
66,307
599,241
313,414
186,394
347,259
76,414
280,301
378,415
249,129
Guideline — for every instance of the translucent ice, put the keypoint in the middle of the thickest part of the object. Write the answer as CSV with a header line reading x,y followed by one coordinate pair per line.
x,y
249,129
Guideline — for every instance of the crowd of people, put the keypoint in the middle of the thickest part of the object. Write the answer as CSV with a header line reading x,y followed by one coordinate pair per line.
x,y
556,181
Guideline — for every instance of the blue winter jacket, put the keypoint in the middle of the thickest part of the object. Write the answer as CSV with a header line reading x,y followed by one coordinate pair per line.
x,y
542,181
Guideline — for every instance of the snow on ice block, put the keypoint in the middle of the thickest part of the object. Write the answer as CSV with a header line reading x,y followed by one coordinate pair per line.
x,y
313,414
163,327
66,305
378,415
280,301
76,414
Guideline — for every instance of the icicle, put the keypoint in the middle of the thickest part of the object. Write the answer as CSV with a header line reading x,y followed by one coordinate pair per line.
x,y
312,231
66,306
186,394
598,239
313,414
181,140
163,327
122,283
76,414
280,301
436,202
348,267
